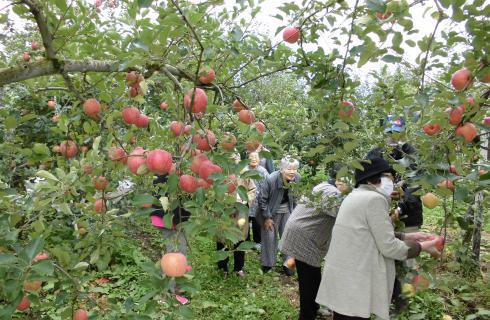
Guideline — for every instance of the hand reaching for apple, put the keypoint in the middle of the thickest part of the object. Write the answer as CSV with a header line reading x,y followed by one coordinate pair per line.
x,y
268,223
417,236
433,246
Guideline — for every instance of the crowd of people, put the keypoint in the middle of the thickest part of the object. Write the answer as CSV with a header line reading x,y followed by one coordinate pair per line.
x,y
348,230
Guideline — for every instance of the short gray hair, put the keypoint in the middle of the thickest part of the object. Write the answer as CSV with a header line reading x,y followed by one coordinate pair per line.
x,y
287,162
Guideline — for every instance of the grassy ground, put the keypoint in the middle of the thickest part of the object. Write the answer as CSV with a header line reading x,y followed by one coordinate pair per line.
x,y
453,290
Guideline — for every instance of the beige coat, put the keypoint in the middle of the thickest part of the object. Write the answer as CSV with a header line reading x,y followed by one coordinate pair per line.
x,y
359,267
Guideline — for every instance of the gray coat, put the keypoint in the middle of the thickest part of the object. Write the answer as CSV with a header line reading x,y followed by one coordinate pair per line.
x,y
271,194
359,270
307,233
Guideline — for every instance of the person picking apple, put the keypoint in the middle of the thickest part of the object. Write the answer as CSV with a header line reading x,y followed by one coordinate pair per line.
x,y
359,272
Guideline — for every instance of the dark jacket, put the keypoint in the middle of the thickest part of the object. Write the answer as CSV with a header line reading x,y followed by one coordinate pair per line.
x,y
410,204
411,208
271,195
179,213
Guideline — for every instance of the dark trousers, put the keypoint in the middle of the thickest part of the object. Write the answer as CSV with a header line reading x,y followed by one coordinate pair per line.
x,y
309,279
255,230
338,316
238,257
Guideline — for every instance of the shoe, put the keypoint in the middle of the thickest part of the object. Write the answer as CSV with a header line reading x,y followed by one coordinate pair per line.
x,y
323,311
181,299
288,272
240,273
266,269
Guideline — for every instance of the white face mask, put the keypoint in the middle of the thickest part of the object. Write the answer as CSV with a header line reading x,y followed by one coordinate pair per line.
x,y
386,186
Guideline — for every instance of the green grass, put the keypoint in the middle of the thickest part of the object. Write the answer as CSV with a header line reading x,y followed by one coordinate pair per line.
x,y
256,296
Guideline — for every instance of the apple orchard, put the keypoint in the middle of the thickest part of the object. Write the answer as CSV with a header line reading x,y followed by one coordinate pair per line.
x,y
96,93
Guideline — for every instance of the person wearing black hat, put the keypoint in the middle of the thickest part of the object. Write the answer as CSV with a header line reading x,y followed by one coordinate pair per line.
x,y
359,270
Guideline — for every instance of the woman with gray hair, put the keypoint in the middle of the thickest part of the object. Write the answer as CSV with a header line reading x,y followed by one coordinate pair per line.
x,y
276,202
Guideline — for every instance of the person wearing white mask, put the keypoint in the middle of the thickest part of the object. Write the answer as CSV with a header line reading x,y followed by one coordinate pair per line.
x,y
359,271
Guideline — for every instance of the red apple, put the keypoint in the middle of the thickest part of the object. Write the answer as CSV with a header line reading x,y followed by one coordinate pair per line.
x,y
206,75
420,282
24,304
260,126
456,116
34,285
461,79
100,182
468,131
177,128
51,104
100,206
80,314
202,184
34,45
41,256
87,169
26,56
164,106
142,121
130,115
446,184
291,34
432,128
252,145
207,169
133,140
117,154
187,129
238,106
159,161
202,140
83,149
246,116
453,169
228,142
232,183
383,16
197,162
68,149
486,121
136,159
91,107
174,264
346,110
200,100
188,183
131,77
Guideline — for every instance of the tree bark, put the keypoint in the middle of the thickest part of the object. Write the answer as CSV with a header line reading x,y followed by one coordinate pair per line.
x,y
45,68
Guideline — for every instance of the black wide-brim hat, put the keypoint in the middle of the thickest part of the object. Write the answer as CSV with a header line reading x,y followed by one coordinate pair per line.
x,y
372,167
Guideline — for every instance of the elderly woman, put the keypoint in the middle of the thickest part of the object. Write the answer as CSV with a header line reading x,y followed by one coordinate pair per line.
x,y
359,270
276,202
254,165
306,238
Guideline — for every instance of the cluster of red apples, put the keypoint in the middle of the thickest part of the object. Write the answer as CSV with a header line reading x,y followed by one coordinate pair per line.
x,y
460,81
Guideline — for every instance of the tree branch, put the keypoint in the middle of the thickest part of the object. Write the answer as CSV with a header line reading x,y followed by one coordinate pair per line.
x,y
42,24
347,49
261,76
429,45
46,68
